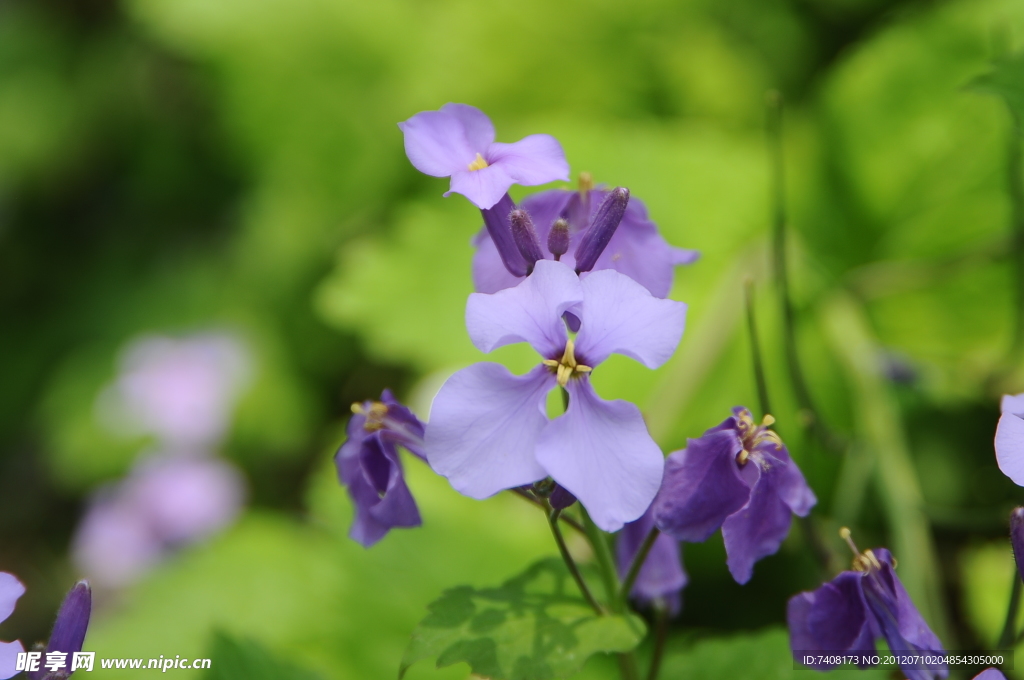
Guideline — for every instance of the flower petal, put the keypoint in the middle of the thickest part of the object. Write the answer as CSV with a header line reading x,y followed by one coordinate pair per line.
x,y
441,143
484,187
662,576
9,652
990,674
601,452
832,619
1009,446
72,621
758,528
10,590
619,315
373,475
1012,404
531,312
537,159
702,487
483,428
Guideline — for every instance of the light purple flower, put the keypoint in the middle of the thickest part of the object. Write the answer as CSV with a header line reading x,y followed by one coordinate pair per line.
x,y
847,615
636,249
737,476
1010,438
369,466
990,674
10,590
488,430
662,577
68,634
180,390
458,142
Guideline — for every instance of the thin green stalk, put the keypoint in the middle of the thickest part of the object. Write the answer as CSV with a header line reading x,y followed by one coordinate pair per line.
x,y
603,554
637,564
533,500
755,348
660,636
571,563
627,666
800,388
1009,628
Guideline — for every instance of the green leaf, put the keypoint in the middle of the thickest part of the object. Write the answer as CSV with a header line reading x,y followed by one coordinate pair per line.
x,y
245,659
535,626
1006,79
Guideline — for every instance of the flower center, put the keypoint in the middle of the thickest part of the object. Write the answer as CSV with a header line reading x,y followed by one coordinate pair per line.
x,y
567,367
478,163
862,561
752,435
374,413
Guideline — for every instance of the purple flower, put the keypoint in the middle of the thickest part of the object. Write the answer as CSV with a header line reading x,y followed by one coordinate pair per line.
x,y
10,590
1010,438
458,142
990,674
1017,538
737,476
857,607
488,430
662,577
368,464
68,633
636,249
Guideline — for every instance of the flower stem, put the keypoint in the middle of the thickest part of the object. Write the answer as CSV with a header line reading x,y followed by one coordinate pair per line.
x,y
755,349
627,666
571,563
637,564
1006,640
660,636
603,555
530,498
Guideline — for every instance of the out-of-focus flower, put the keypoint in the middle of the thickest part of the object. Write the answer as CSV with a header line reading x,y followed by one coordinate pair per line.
x,y
662,577
458,142
847,615
488,430
370,468
1017,538
635,249
1010,438
990,674
68,633
737,476
10,590
180,390
166,502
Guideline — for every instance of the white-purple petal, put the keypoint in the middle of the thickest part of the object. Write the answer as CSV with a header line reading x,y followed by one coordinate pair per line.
x,y
10,590
1012,403
9,652
531,312
601,452
484,187
1009,446
536,159
441,143
990,674
621,316
484,426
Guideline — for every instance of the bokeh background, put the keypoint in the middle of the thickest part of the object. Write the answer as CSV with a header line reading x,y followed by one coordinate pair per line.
x,y
174,170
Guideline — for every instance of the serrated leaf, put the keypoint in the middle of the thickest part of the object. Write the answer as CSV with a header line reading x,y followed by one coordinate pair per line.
x,y
535,626
244,659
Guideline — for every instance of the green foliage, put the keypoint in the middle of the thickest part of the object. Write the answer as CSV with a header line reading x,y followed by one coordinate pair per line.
x,y
535,626
1006,79
235,659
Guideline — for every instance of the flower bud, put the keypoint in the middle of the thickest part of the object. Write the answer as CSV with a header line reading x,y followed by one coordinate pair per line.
x,y
496,219
561,498
558,238
1017,537
525,237
72,620
606,221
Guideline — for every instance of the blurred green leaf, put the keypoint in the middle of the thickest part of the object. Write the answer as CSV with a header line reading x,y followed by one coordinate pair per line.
x,y
242,659
1006,79
535,626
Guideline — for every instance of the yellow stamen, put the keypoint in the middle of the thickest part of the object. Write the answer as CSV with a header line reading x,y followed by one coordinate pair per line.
x,y
478,163
374,414
862,561
586,182
567,367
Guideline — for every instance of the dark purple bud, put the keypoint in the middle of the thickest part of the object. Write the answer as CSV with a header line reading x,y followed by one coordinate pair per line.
x,y
572,321
561,498
72,621
1017,538
496,219
525,237
558,238
606,221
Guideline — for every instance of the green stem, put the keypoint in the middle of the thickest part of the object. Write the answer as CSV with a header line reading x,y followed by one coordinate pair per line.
x,y
660,636
1009,628
603,554
637,564
530,498
755,349
1015,179
571,563
627,666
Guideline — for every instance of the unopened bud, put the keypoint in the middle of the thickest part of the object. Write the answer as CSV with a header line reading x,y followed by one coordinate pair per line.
x,y
1017,538
558,238
606,221
525,237
496,219
561,498
72,620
